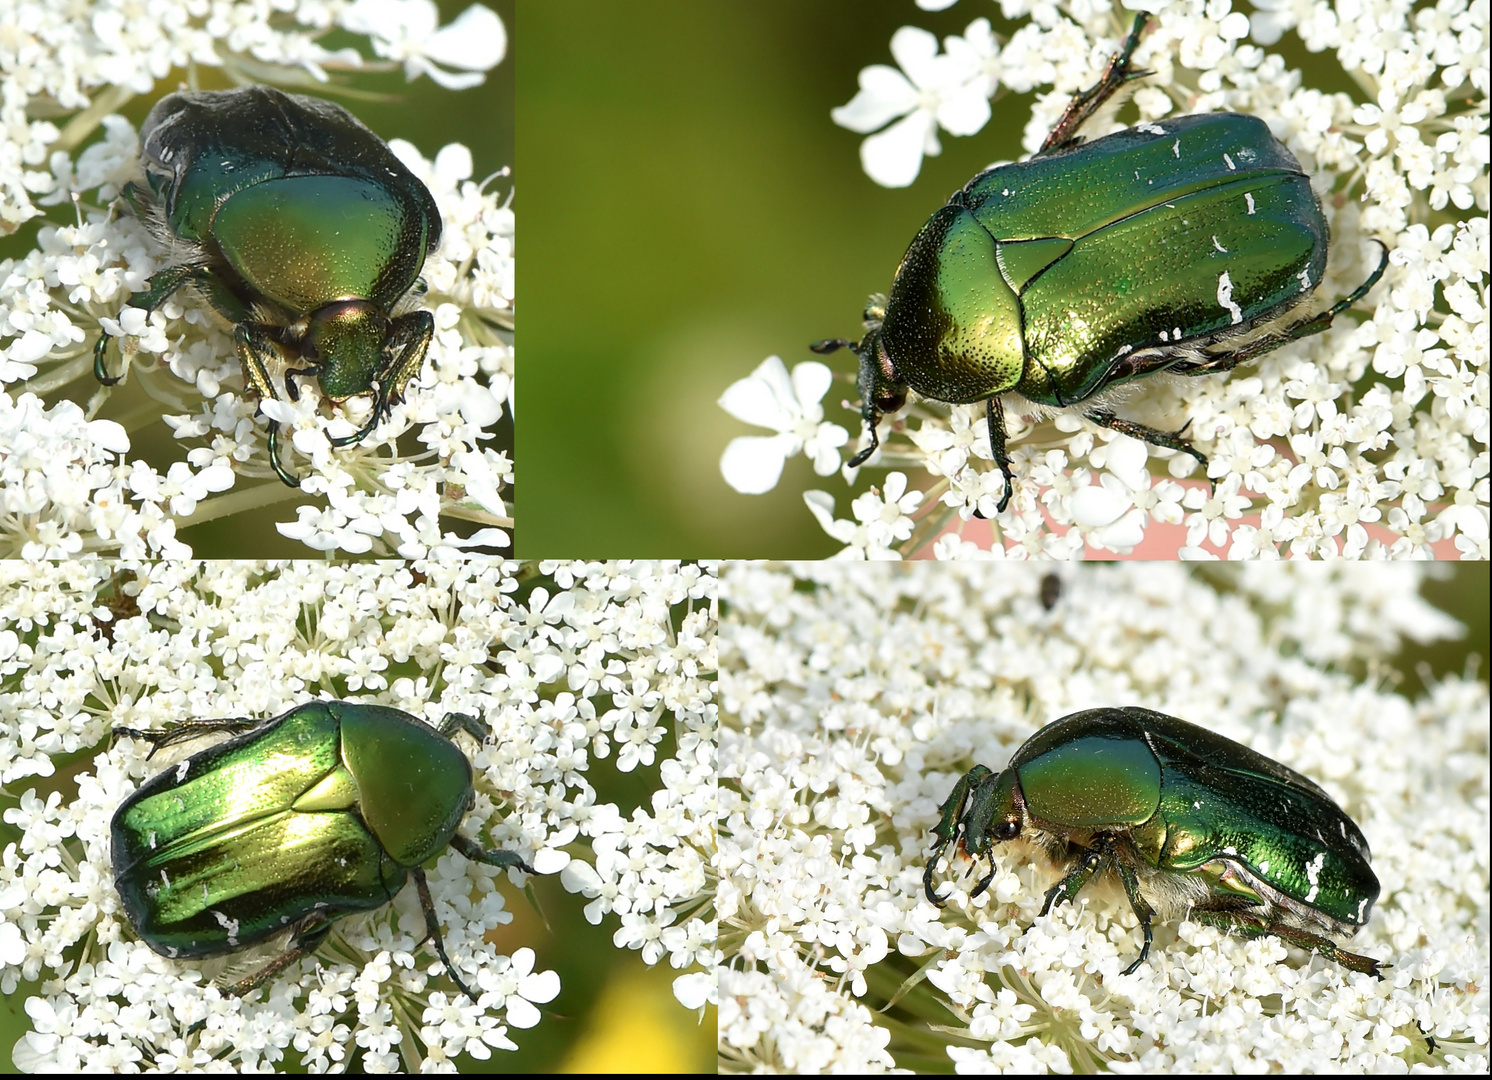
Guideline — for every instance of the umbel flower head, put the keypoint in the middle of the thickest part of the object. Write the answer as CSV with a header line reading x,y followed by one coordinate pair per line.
x,y
68,479
1366,441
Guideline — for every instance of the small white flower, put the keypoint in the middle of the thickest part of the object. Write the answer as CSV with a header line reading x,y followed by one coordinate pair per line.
x,y
880,521
947,90
409,31
769,398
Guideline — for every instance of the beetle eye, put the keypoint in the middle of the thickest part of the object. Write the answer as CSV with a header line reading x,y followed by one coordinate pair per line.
x,y
1008,829
890,401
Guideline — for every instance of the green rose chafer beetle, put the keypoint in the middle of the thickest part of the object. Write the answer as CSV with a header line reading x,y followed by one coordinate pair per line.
x,y
1175,246
292,824
1192,824
301,228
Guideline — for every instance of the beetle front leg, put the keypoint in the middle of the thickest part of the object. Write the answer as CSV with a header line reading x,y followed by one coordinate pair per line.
x,y
457,721
947,827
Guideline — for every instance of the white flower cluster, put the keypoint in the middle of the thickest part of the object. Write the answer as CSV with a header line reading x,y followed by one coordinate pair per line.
x,y
1366,441
570,665
66,484
854,696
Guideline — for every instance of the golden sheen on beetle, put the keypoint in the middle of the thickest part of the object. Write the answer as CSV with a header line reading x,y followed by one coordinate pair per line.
x,y
1191,824
293,823
1177,245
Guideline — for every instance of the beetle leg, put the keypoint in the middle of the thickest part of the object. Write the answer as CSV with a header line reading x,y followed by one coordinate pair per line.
x,y
833,345
274,456
984,881
952,811
157,291
186,730
496,857
305,942
1068,888
456,721
876,387
1252,926
408,343
255,343
1087,102
1143,911
1171,440
994,413
433,929
1250,350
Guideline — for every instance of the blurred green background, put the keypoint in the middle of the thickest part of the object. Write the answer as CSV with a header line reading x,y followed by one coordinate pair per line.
x,y
689,210
420,112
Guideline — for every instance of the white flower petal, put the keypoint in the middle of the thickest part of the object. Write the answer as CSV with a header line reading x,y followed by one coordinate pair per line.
x,y
894,157
752,464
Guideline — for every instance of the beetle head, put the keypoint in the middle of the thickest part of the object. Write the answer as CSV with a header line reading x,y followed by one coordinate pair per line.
x,y
996,813
346,339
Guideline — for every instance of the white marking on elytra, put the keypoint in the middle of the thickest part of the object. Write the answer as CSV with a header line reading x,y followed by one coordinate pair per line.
x,y
229,925
1123,349
1305,279
1149,128
1219,246
1231,166
1264,867
1176,149
1250,200
1361,904
1225,298
182,769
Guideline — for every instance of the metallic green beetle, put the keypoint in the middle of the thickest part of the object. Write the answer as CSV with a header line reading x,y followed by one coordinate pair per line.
x,y
1167,247
292,824
302,229
1192,824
